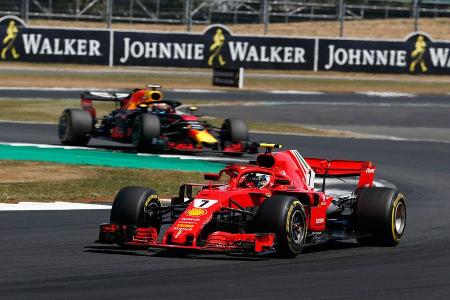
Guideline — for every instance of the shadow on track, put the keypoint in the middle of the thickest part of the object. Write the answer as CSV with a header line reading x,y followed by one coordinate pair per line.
x,y
118,250
330,245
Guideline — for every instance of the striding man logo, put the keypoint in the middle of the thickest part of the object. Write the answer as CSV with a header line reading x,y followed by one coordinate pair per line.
x,y
8,41
418,55
216,48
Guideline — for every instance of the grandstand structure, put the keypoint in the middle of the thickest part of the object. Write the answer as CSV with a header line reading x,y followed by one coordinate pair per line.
x,y
222,11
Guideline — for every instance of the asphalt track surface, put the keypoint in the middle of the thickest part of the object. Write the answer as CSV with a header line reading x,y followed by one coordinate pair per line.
x,y
52,254
420,117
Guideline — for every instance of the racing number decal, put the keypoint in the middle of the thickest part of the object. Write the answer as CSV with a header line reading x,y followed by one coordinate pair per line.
x,y
204,203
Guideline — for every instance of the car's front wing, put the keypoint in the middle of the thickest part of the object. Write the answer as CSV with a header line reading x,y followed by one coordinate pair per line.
x,y
217,242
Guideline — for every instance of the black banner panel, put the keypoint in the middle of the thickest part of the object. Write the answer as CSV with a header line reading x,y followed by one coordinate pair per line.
x,y
215,48
226,77
218,48
19,43
418,54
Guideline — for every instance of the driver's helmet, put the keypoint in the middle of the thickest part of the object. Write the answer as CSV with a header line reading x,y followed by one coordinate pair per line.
x,y
160,109
255,180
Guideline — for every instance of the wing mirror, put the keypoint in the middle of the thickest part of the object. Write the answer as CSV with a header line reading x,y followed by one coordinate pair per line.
x,y
193,109
282,181
212,177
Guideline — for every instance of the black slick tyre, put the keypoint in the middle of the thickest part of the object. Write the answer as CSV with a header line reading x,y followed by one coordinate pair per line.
x,y
138,206
284,216
146,128
74,127
234,131
380,217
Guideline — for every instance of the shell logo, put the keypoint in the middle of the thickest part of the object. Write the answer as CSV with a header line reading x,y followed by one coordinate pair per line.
x,y
195,212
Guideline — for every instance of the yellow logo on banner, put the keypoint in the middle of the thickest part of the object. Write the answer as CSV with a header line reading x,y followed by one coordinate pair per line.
x,y
8,41
216,47
417,55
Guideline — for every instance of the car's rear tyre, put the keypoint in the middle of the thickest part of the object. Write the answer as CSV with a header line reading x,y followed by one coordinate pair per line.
x,y
234,131
380,216
284,216
75,127
138,206
146,128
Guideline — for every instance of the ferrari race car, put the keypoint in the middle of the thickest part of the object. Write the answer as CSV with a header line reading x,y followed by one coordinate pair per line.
x,y
150,124
267,206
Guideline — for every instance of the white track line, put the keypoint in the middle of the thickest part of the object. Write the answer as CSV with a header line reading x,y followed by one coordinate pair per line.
x,y
207,158
295,92
60,89
26,206
197,91
337,103
46,146
387,94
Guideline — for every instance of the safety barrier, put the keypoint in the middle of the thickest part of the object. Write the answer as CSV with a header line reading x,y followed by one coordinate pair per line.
x,y
217,47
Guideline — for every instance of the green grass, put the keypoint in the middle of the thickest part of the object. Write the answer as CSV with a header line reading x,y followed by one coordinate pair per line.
x,y
310,81
40,110
93,184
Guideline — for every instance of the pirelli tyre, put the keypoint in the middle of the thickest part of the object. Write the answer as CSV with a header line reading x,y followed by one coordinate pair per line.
x,y
137,206
234,131
75,127
380,216
284,216
146,128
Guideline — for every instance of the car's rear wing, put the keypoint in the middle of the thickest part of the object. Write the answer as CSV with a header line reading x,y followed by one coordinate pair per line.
x,y
104,96
344,168
88,97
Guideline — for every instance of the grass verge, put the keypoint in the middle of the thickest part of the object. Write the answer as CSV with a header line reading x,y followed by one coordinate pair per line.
x,y
34,76
41,110
36,181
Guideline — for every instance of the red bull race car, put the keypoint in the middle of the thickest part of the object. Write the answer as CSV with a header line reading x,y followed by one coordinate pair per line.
x,y
143,119
267,206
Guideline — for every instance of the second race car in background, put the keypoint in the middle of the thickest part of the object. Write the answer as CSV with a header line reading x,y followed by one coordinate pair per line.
x,y
150,124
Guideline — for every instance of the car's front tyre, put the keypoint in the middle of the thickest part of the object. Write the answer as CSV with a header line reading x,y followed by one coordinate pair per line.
x,y
146,128
284,216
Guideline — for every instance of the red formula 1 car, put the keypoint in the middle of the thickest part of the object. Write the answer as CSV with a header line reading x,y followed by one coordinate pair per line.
x,y
151,124
267,206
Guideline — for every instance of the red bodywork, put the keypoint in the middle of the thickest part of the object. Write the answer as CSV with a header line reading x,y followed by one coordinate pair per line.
x,y
290,174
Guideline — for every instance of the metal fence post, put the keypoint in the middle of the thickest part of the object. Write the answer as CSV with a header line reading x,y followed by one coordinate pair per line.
x,y
266,16
109,12
25,9
341,17
416,15
188,15
158,4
